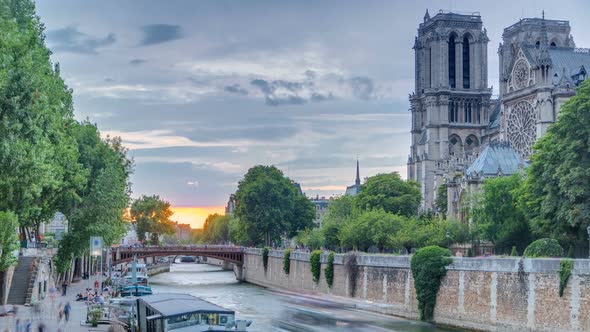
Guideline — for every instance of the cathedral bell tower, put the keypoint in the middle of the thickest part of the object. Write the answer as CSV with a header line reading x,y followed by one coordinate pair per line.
x,y
451,99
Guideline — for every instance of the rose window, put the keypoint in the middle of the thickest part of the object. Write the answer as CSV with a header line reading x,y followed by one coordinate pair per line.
x,y
520,74
521,128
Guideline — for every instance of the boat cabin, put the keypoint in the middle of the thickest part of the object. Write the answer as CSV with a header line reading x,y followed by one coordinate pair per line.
x,y
179,313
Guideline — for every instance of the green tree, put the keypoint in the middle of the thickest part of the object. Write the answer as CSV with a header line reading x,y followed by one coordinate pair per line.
x,y
556,197
97,206
269,206
216,229
8,243
37,155
152,215
497,215
389,193
441,201
371,228
339,212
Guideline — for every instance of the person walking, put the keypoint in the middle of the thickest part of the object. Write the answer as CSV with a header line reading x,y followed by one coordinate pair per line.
x,y
67,310
64,288
28,326
18,326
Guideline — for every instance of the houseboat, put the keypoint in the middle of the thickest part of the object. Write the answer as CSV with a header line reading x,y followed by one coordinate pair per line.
x,y
183,313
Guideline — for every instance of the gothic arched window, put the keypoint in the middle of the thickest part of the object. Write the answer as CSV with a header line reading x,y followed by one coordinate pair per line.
x,y
452,61
455,146
466,75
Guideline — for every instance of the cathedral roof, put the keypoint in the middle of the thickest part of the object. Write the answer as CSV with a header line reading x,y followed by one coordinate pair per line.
x,y
495,116
498,158
568,62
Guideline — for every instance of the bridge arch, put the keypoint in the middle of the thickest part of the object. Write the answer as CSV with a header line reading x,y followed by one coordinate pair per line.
x,y
231,254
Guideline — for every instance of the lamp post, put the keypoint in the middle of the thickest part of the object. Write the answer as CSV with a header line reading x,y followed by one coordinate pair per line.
x,y
588,230
448,235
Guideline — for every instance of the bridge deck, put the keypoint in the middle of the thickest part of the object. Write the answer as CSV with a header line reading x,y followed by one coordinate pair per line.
x,y
227,253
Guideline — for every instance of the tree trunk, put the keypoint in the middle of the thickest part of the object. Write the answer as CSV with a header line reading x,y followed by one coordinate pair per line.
x,y
2,290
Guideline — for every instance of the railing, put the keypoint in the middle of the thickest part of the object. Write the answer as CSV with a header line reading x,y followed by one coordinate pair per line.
x,y
187,248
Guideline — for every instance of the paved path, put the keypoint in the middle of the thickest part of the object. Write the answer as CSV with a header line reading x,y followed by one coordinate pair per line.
x,y
49,314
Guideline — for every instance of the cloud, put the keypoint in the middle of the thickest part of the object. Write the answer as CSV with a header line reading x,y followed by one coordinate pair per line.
x,y
284,92
160,33
70,39
362,87
136,61
236,88
194,183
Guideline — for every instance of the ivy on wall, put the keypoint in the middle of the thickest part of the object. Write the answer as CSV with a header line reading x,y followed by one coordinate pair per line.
x,y
265,252
565,271
329,270
287,261
428,268
351,267
316,265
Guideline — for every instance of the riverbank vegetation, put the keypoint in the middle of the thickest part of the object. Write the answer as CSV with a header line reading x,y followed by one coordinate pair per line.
x,y
49,161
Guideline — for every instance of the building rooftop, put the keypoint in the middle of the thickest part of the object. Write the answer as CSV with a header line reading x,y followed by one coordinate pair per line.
x,y
495,159
172,304
568,62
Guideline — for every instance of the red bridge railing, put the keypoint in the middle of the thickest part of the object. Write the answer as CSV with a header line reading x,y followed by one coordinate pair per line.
x,y
232,254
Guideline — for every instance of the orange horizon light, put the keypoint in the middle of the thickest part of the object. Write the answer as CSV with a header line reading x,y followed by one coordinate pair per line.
x,y
194,215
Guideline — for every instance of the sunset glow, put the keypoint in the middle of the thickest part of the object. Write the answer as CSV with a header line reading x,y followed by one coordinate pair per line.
x,y
195,215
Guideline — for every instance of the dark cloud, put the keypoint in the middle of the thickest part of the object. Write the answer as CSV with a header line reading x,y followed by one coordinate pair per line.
x,y
283,92
136,61
70,39
160,33
236,88
362,87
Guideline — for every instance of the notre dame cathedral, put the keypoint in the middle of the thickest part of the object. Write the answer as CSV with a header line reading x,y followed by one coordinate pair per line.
x,y
460,134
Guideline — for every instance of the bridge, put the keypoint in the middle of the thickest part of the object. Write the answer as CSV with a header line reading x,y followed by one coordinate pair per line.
x,y
232,254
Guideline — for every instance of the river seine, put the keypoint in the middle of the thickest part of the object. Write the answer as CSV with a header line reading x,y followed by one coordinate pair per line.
x,y
250,302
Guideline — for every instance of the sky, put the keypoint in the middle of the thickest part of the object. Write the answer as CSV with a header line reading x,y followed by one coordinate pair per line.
x,y
200,91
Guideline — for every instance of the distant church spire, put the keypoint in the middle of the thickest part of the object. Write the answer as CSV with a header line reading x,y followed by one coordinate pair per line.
x,y
426,16
358,177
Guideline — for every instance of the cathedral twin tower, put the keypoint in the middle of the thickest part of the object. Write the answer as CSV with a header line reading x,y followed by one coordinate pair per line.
x,y
454,119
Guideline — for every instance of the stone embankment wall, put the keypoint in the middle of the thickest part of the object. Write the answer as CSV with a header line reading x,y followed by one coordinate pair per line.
x,y
489,294
157,269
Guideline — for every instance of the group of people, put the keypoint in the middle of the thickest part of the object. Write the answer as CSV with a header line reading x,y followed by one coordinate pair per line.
x,y
63,315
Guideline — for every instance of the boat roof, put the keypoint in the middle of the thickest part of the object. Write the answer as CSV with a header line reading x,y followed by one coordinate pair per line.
x,y
172,304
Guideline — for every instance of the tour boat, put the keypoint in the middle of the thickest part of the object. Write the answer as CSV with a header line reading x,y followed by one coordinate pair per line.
x,y
183,313
136,290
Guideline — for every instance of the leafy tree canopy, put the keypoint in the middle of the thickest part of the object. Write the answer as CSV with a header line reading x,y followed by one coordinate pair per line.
x,y
389,193
557,193
497,215
269,206
152,215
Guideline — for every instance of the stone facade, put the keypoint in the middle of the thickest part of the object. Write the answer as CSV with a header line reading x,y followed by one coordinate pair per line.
x,y
491,294
453,116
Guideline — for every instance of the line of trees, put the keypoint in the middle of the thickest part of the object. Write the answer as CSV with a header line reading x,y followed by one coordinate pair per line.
x,y
50,162
551,199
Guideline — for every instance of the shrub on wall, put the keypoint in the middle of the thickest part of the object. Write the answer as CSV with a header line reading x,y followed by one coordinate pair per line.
x,y
565,271
544,248
570,252
428,268
287,261
265,252
316,265
329,270
514,252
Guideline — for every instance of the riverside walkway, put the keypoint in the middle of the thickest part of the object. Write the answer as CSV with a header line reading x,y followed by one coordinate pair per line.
x,y
48,314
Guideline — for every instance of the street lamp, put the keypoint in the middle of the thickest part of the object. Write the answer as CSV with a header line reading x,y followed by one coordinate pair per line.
x,y
588,230
449,238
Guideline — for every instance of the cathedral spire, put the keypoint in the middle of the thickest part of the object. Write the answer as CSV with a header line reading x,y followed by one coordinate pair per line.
x,y
358,177
544,59
426,16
